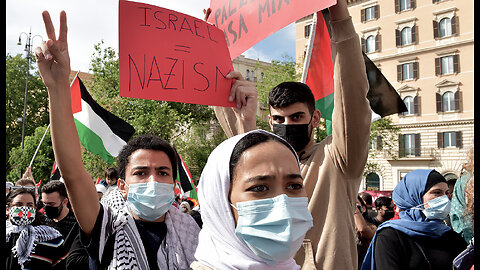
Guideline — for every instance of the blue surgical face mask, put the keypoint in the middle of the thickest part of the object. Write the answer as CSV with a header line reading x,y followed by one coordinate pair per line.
x,y
151,200
439,208
273,228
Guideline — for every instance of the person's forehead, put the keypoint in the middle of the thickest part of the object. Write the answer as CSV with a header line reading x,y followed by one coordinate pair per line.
x,y
146,158
53,196
297,107
24,198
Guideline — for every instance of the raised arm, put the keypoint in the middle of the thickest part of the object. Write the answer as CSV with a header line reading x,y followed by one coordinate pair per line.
x,y
351,113
53,63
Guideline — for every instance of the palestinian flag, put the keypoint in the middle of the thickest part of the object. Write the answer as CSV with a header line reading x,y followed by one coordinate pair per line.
x,y
100,132
318,75
55,175
184,182
318,69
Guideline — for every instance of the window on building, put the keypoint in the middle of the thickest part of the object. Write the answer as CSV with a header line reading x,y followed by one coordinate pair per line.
x,y
449,101
370,44
445,27
376,143
370,13
372,181
407,71
248,75
409,145
447,65
409,104
308,29
406,36
450,139
402,5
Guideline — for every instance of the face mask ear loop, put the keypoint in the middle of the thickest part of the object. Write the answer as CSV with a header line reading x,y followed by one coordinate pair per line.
x,y
234,206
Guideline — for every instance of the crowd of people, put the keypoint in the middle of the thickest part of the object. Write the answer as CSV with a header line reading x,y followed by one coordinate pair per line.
x,y
265,200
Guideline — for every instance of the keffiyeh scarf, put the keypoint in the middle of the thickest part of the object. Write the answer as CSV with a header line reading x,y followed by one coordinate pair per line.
x,y
176,252
29,236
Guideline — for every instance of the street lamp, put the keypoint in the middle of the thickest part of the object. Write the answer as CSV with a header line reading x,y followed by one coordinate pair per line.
x,y
28,48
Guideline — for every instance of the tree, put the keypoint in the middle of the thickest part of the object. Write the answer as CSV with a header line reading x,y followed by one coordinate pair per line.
x,y
42,165
383,143
37,102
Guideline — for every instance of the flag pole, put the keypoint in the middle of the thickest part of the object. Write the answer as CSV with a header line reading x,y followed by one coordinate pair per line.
x,y
38,147
306,61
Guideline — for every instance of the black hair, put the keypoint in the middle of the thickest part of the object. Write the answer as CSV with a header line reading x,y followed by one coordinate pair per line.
x,y
381,201
111,173
250,140
55,186
148,142
367,198
288,93
40,218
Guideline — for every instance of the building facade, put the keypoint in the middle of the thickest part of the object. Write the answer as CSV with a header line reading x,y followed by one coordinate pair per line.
x,y
425,50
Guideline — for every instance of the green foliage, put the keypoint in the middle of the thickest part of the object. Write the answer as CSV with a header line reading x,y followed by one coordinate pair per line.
x,y
197,144
42,165
37,103
280,71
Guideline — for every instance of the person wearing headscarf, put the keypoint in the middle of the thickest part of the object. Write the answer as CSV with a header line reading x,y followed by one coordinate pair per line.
x,y
419,239
254,207
186,207
30,243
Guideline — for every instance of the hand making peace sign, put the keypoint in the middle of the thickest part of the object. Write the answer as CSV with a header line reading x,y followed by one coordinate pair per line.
x,y
52,56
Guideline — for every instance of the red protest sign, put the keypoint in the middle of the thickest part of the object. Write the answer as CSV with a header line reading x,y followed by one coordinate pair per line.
x,y
245,23
170,56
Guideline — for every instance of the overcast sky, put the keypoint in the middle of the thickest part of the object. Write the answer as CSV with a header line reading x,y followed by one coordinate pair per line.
x,y
90,21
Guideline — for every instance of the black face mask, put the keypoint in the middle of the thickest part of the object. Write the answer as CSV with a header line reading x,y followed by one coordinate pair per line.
x,y
297,135
389,214
52,211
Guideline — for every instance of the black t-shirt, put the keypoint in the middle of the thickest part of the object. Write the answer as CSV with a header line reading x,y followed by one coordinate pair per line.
x,y
152,234
397,250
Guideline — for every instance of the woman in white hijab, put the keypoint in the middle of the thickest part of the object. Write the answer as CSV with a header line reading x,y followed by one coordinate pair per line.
x,y
254,207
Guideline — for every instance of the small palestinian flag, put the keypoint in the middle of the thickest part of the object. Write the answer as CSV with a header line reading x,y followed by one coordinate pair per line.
x,y
184,180
100,132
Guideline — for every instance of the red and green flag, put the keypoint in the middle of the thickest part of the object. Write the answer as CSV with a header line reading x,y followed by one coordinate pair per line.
x,y
100,132
318,69
184,184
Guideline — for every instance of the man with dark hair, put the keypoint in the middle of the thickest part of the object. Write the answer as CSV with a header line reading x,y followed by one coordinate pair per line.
x,y
385,210
55,201
332,169
144,234
367,198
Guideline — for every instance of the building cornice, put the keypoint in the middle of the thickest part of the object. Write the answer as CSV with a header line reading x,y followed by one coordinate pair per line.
x,y
424,50
437,124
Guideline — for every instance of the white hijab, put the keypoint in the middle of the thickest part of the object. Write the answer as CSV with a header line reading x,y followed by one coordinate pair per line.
x,y
218,246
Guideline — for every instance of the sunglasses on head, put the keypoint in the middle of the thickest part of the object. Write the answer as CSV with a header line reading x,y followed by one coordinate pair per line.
x,y
26,187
